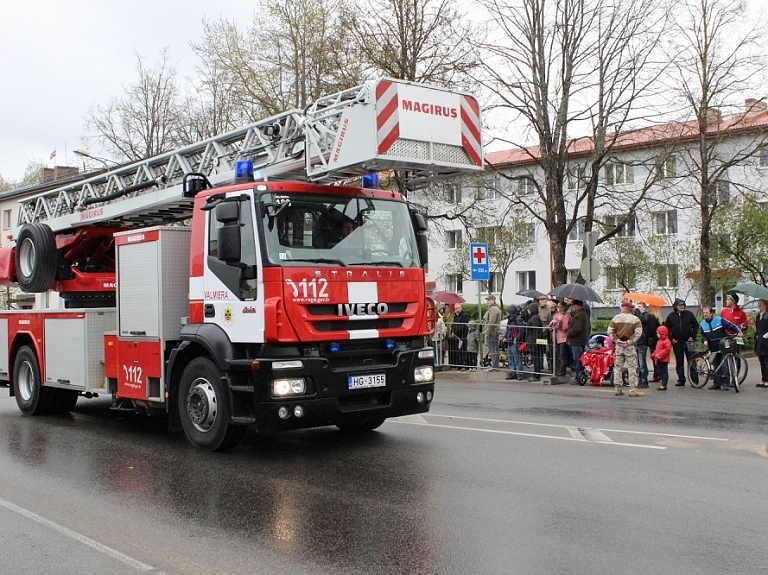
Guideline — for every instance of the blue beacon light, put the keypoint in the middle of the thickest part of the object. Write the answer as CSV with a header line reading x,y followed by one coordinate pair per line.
x,y
334,347
371,181
243,171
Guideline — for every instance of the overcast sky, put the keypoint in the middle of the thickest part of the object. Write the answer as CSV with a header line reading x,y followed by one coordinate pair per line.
x,y
59,56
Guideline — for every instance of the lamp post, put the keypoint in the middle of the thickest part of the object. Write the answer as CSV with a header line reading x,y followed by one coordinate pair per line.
x,y
102,161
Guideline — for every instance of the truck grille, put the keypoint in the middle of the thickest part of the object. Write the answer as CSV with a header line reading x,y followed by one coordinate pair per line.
x,y
348,325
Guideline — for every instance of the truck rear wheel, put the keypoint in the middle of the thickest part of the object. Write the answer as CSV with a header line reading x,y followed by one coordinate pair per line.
x,y
35,258
204,408
31,397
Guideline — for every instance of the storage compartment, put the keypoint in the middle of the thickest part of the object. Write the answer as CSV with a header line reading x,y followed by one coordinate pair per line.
x,y
74,349
152,282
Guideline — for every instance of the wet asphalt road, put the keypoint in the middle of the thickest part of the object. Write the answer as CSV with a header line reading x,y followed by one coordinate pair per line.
x,y
498,478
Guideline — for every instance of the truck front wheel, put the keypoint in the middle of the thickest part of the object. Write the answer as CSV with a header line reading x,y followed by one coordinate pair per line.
x,y
31,397
204,408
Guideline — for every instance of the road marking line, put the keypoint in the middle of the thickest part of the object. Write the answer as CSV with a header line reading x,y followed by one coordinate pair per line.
x,y
498,431
594,434
565,426
100,547
574,431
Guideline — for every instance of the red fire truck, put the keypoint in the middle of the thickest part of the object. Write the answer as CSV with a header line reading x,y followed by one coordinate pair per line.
x,y
238,281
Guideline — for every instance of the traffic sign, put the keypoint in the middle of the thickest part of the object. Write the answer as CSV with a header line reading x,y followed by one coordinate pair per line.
x,y
590,241
478,262
590,269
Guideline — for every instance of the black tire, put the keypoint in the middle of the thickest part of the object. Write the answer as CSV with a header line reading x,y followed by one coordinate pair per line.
x,y
742,368
31,397
699,365
528,360
733,377
361,425
204,409
36,258
583,378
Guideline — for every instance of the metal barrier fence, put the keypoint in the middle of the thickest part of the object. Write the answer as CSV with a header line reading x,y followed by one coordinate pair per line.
x,y
464,348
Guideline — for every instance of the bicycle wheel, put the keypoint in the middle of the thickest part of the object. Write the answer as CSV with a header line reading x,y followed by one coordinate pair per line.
x,y
741,368
700,366
733,376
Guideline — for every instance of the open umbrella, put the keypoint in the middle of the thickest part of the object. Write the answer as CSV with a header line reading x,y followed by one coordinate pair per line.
x,y
752,290
531,293
447,297
648,298
576,291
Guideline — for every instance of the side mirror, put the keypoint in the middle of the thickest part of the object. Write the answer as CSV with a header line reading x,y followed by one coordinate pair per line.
x,y
228,236
421,237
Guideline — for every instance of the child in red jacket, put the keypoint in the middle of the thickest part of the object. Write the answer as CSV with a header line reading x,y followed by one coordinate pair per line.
x,y
661,355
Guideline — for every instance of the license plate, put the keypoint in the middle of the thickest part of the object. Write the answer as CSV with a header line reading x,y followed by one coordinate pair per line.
x,y
366,381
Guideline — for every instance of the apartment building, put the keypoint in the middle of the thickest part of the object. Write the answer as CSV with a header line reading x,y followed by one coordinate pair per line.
x,y
647,197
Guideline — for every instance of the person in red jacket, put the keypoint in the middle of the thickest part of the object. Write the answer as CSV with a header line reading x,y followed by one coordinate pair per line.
x,y
733,313
661,355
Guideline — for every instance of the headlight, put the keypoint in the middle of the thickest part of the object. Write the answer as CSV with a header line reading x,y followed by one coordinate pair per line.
x,y
283,387
423,374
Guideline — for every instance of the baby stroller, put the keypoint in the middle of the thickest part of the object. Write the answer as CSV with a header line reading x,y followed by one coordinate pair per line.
x,y
503,359
597,360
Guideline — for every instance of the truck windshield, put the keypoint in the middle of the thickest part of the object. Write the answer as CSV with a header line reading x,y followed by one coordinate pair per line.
x,y
337,231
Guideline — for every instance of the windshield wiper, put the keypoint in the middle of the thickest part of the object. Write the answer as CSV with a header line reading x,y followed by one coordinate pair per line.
x,y
319,261
379,263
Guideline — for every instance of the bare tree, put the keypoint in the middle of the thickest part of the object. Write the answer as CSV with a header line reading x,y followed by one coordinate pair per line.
x,y
566,65
146,120
294,52
741,238
717,58
417,40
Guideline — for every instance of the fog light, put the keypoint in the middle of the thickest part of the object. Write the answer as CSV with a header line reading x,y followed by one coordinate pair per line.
x,y
429,396
423,374
420,397
284,412
427,353
298,411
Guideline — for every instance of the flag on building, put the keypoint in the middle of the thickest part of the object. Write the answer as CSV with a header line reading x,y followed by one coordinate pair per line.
x,y
53,154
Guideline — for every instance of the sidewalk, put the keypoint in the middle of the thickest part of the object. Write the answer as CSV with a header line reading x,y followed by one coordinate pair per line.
x,y
489,375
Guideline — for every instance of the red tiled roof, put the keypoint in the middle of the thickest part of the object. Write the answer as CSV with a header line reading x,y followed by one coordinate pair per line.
x,y
653,136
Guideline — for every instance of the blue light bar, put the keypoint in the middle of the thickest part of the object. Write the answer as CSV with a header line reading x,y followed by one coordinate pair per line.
x,y
243,171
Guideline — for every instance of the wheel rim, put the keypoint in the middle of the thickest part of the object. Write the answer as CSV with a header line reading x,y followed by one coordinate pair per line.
x,y
26,257
202,405
25,381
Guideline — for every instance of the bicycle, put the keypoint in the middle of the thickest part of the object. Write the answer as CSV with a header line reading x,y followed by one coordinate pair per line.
x,y
701,364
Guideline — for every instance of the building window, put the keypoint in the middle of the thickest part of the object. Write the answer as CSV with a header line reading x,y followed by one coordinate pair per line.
x,y
6,219
495,282
620,278
666,222
578,230
529,231
667,168
762,154
490,189
453,194
453,283
577,178
490,236
619,173
723,191
525,186
526,280
667,275
625,229
454,239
